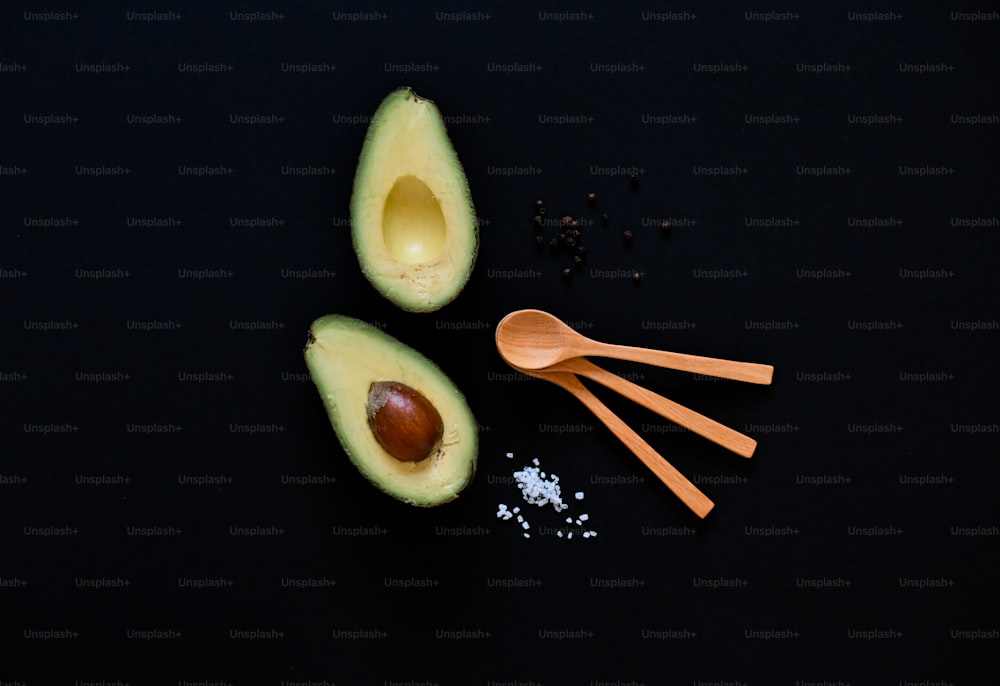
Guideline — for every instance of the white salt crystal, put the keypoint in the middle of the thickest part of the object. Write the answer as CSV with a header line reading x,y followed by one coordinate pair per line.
x,y
541,488
536,490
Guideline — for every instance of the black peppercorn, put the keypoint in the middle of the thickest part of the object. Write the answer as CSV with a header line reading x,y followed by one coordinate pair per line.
x,y
577,259
591,198
636,277
554,242
538,221
604,219
567,272
627,234
634,180
539,240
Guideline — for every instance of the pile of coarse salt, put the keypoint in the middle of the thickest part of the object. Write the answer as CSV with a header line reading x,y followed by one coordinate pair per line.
x,y
541,489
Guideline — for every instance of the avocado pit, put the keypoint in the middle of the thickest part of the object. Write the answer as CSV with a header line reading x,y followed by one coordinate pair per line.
x,y
403,421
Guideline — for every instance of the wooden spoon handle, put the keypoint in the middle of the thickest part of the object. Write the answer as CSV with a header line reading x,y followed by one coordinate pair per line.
x,y
709,366
665,472
700,424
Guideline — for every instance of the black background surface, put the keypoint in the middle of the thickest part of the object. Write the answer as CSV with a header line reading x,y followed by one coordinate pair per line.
x,y
857,545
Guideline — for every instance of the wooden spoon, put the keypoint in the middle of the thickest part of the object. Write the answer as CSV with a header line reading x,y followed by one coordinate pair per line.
x,y
703,426
532,339
664,471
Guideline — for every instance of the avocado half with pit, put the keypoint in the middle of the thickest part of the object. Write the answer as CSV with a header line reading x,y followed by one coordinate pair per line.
x,y
402,422
413,223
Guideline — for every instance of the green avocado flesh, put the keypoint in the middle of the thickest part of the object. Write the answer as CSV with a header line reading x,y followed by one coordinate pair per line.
x,y
413,223
345,356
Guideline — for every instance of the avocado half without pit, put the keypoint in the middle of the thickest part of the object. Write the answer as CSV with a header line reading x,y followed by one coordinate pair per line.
x,y
402,422
413,223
